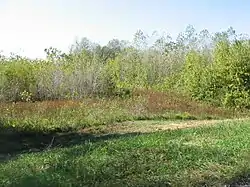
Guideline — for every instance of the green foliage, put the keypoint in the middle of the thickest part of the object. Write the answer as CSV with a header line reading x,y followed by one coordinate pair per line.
x,y
19,77
225,79
194,73
214,68
232,68
130,76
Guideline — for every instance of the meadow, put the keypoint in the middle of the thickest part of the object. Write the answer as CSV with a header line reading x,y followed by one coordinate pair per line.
x,y
171,113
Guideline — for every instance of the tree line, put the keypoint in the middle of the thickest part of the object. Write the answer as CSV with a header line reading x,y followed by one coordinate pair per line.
x,y
213,67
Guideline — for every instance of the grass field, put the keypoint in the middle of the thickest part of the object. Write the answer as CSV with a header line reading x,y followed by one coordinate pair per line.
x,y
151,139
214,155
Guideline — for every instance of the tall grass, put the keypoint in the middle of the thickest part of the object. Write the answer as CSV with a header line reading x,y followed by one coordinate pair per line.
x,y
68,115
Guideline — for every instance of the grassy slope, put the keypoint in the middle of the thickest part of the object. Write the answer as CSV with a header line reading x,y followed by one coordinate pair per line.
x,y
74,115
189,157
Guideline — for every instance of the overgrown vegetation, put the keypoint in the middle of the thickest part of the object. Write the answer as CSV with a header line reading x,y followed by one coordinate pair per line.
x,y
56,105
48,116
210,67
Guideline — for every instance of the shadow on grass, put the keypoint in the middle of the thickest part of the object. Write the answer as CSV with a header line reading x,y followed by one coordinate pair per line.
x,y
14,142
239,180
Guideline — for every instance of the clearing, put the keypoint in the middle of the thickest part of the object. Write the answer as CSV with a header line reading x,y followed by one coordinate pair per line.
x,y
138,153
152,139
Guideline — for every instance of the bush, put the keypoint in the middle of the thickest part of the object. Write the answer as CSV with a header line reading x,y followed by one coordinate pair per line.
x,y
19,77
214,68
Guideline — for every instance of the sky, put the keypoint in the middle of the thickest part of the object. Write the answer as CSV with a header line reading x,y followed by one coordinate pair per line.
x,y
30,26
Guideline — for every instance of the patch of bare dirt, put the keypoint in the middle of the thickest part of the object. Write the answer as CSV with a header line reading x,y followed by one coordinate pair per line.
x,y
152,126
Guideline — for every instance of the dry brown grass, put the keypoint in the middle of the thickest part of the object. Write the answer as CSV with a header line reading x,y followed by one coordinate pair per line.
x,y
142,103
149,126
158,101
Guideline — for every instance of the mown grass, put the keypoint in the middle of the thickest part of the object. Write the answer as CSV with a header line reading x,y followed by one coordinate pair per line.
x,y
66,115
211,156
